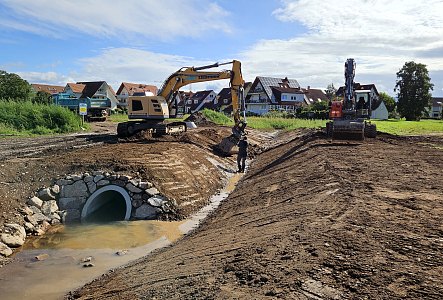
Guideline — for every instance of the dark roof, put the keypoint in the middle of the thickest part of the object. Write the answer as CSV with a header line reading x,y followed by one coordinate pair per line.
x,y
200,95
315,94
278,91
268,82
357,86
247,86
287,90
435,101
376,103
225,93
90,88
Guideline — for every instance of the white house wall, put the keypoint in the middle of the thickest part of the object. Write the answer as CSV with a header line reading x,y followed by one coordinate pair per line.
x,y
257,108
381,113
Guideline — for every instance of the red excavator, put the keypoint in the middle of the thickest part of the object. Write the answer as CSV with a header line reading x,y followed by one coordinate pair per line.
x,y
349,118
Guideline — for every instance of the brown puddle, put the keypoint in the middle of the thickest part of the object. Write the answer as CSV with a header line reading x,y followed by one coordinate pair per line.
x,y
62,252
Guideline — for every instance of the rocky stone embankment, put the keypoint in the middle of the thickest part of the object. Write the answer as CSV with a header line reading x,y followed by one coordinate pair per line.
x,y
64,201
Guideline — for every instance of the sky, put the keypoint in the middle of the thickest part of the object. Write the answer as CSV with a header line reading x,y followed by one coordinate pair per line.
x,y
144,41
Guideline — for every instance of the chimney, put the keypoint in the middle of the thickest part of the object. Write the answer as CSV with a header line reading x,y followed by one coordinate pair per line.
x,y
309,87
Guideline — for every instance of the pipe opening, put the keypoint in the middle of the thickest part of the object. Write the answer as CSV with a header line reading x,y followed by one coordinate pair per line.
x,y
111,203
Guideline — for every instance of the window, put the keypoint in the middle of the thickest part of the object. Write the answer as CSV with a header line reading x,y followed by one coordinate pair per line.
x,y
284,97
195,101
225,101
189,101
137,105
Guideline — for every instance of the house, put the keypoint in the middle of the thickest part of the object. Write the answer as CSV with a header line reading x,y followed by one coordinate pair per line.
x,y
287,99
74,89
223,101
99,90
127,89
314,95
200,100
370,94
51,89
260,99
437,107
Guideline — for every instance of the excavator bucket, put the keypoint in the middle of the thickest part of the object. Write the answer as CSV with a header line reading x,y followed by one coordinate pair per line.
x,y
346,129
226,145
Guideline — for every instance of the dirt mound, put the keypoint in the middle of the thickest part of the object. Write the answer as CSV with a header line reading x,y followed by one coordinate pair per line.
x,y
312,219
200,120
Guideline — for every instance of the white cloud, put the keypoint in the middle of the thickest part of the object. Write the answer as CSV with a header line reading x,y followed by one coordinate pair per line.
x,y
130,19
380,35
51,78
118,65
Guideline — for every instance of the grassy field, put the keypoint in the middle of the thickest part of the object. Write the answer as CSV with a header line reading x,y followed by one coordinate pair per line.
x,y
402,127
397,127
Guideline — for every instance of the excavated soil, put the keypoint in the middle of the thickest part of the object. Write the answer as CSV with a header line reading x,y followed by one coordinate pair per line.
x,y
311,219
183,168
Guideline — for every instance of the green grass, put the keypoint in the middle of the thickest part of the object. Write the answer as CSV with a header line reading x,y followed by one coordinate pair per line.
x,y
283,123
118,118
217,117
397,127
402,127
266,123
26,118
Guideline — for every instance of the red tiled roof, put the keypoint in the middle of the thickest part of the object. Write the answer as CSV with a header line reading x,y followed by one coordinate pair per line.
x,y
52,89
132,88
76,87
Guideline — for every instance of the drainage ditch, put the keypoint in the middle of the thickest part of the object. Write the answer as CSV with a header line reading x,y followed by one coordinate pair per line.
x,y
70,256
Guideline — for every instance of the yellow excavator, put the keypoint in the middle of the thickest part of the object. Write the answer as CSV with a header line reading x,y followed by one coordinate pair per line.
x,y
150,112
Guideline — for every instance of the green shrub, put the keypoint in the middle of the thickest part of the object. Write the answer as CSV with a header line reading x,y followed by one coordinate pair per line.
x,y
216,117
34,118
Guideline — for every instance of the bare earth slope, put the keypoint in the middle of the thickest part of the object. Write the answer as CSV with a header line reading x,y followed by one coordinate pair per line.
x,y
312,219
184,169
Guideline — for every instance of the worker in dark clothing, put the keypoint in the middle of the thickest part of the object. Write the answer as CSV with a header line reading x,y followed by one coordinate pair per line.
x,y
242,154
361,103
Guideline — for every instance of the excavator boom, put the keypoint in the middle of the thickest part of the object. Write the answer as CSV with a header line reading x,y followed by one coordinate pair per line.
x,y
151,111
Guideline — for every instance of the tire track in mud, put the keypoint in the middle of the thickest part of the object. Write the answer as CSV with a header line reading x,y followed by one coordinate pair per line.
x,y
324,230
29,147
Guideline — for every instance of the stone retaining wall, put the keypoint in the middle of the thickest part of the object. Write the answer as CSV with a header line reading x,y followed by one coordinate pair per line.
x,y
63,202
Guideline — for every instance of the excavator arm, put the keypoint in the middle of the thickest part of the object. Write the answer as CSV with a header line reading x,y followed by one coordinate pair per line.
x,y
149,112
190,75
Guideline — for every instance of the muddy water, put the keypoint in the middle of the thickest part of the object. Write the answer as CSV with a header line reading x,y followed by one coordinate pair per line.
x,y
50,266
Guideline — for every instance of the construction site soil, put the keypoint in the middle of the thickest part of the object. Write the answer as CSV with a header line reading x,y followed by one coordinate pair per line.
x,y
312,218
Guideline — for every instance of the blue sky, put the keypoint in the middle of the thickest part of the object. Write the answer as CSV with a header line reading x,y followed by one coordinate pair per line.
x,y
143,41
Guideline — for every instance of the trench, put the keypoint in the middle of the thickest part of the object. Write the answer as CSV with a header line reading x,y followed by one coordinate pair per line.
x,y
51,265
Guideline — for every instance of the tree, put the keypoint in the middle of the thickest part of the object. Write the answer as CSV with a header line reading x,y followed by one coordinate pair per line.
x,y
330,91
414,90
42,97
320,105
13,86
388,100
